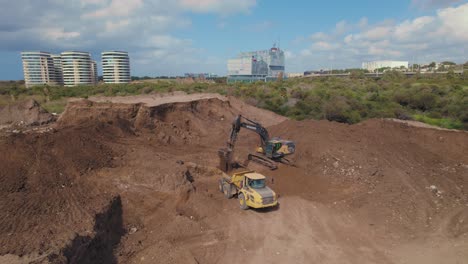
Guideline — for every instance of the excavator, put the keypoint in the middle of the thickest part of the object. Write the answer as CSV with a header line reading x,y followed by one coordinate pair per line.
x,y
268,153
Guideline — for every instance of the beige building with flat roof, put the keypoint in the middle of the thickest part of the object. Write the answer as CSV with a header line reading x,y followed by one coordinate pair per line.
x,y
78,68
116,67
39,69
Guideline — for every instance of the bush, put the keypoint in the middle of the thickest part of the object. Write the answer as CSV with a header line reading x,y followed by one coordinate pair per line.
x,y
423,101
435,99
338,109
440,122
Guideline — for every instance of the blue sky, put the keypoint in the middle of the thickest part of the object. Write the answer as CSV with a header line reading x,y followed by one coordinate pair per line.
x,y
174,37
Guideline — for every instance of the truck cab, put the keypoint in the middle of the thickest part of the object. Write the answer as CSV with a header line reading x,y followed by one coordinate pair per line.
x,y
250,188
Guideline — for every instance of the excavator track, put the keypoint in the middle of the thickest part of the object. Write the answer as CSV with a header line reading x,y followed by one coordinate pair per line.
x,y
263,161
287,162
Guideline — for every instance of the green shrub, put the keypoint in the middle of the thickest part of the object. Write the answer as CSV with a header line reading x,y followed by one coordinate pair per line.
x,y
440,122
436,99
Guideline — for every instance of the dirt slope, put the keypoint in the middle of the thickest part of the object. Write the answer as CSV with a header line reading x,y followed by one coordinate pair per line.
x,y
24,113
133,180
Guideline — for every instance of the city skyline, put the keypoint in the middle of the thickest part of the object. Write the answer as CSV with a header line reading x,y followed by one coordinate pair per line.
x,y
200,36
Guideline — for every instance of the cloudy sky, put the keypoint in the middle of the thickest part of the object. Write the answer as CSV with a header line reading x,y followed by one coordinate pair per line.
x,y
178,36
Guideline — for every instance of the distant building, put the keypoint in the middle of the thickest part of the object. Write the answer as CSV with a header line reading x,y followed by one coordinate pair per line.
x,y
38,68
78,68
295,74
373,65
94,71
57,61
116,67
200,75
254,66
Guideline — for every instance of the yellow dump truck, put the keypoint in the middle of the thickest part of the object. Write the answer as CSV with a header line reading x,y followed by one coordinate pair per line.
x,y
250,188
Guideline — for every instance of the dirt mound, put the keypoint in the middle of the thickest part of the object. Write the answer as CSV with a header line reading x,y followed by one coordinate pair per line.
x,y
410,178
45,197
182,119
25,113
133,180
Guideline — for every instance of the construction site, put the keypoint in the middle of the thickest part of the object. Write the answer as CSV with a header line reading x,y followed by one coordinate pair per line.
x,y
140,179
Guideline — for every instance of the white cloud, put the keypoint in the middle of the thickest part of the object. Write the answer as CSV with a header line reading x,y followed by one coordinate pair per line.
x,y
119,25
341,27
441,36
218,6
145,28
377,33
410,28
289,55
58,34
114,9
319,36
427,4
323,45
363,22
348,39
454,22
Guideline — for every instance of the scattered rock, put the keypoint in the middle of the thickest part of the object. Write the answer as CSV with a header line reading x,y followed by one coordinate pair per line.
x,y
132,230
335,164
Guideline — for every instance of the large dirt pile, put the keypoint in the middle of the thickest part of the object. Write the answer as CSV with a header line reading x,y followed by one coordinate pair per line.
x,y
45,197
411,178
24,113
133,180
176,119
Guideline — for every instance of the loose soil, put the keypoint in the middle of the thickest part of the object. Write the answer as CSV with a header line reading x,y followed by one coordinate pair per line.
x,y
24,113
134,180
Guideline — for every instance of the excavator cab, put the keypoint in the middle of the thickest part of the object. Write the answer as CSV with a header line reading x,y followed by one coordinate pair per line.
x,y
277,148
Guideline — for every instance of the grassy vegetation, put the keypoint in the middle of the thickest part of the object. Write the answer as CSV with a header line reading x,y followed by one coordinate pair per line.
x,y
440,122
440,100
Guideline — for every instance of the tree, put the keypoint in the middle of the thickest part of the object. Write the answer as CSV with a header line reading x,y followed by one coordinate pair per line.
x,y
432,65
449,63
354,74
451,74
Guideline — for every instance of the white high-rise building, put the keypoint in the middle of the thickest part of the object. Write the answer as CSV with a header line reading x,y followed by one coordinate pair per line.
x,y
57,62
38,68
94,70
116,67
78,68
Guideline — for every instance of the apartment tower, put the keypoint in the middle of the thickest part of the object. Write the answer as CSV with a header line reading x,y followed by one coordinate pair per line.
x,y
38,68
78,68
115,67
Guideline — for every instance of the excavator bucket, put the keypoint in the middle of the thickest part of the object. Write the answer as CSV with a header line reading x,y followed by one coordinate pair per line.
x,y
224,159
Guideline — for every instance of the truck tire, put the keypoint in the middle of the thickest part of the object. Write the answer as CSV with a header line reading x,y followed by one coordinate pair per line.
x,y
243,202
227,190
220,185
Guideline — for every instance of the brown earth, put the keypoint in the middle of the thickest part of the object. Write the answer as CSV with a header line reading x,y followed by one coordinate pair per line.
x,y
133,180
24,113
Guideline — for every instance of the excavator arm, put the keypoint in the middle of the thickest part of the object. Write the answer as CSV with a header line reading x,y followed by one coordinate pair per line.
x,y
250,125
226,154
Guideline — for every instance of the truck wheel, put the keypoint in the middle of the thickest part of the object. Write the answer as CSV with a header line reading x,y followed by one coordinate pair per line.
x,y
242,202
227,190
220,185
